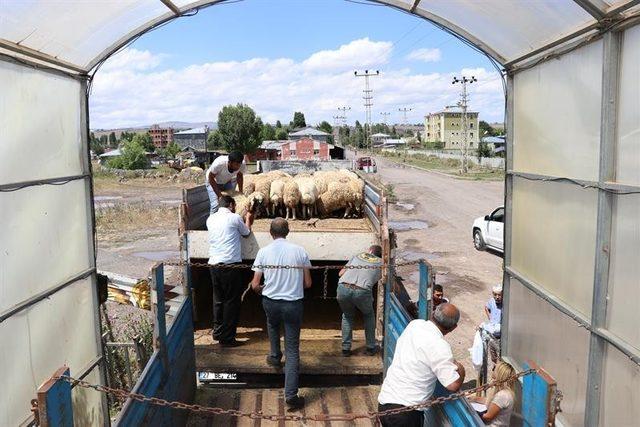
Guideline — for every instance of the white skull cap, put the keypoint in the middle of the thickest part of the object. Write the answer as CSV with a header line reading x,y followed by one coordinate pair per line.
x,y
497,288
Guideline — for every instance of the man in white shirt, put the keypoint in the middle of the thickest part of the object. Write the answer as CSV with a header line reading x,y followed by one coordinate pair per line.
x,y
225,230
282,295
422,357
223,174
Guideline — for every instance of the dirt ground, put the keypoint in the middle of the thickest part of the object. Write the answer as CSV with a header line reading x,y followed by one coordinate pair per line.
x,y
432,217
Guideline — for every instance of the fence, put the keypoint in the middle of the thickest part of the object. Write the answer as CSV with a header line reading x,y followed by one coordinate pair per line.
x,y
490,162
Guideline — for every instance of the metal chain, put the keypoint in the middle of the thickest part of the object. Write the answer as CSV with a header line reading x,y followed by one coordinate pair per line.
x,y
288,267
326,283
211,411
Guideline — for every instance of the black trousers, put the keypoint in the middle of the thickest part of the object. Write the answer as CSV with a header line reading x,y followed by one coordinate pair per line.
x,y
403,419
228,286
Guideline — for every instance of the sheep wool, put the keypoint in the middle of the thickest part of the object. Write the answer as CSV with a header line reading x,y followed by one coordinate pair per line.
x,y
291,197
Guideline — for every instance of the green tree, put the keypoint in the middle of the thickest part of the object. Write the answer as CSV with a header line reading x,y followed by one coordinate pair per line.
x,y
96,147
145,140
278,124
214,141
486,129
172,150
324,126
104,139
298,120
357,137
267,133
281,134
112,139
484,150
127,136
133,156
239,128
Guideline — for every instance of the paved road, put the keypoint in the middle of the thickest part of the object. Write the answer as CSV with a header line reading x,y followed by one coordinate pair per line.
x,y
446,208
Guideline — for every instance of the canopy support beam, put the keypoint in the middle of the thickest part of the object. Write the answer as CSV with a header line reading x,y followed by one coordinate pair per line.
x,y
175,9
595,8
31,53
415,6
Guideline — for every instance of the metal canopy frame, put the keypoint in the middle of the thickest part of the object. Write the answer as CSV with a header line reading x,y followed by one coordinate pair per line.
x,y
603,15
607,188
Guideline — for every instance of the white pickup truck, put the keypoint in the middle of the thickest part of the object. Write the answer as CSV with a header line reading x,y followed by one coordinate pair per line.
x,y
488,231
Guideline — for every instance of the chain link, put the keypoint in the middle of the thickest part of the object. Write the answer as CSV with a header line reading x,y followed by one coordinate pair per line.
x,y
326,283
175,263
212,411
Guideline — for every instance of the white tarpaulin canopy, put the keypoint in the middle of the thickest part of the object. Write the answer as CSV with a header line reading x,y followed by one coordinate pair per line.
x,y
572,203
81,33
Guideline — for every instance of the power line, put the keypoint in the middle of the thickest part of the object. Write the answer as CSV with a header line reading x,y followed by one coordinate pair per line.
x,y
368,103
464,99
384,117
404,112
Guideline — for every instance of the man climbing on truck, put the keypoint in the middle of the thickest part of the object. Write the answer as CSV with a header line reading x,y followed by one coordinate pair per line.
x,y
282,295
223,174
354,294
422,357
225,229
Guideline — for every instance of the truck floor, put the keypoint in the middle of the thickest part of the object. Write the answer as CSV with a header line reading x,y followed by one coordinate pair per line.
x,y
326,400
320,353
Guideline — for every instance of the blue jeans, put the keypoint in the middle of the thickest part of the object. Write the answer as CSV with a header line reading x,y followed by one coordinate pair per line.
x,y
351,300
213,197
288,313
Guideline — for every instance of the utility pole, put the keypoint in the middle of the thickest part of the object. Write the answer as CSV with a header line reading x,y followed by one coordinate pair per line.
x,y
384,117
463,103
404,112
341,120
368,103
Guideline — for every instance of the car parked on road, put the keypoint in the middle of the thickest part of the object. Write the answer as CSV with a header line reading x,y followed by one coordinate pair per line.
x,y
488,231
366,164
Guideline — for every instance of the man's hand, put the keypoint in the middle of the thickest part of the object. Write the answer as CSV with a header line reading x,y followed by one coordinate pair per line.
x,y
248,219
461,370
257,288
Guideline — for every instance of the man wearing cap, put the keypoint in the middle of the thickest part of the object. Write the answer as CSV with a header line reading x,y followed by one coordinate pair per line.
x,y
354,294
493,311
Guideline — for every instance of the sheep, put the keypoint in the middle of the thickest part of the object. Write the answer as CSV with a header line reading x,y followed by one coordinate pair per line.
x,y
249,183
263,186
356,186
319,179
276,195
291,197
308,194
338,196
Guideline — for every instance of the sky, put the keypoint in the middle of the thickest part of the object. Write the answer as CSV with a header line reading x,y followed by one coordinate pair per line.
x,y
281,56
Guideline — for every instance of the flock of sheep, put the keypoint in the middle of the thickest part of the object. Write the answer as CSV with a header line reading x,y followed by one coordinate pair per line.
x,y
322,194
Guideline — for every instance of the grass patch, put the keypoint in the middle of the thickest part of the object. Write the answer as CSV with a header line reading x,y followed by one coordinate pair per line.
x,y
133,217
448,166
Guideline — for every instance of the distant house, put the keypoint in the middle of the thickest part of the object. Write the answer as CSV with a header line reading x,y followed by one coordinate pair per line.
x,y
305,149
379,138
394,143
446,126
196,138
160,136
496,143
310,132
268,150
105,157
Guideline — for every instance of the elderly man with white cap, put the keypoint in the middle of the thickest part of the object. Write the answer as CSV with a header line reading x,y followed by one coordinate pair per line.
x,y
493,310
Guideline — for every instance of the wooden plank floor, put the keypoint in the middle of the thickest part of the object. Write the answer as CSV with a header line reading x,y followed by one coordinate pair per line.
x,y
320,353
328,400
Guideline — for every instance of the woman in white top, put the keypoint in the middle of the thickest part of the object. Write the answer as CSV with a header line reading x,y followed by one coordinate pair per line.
x,y
501,398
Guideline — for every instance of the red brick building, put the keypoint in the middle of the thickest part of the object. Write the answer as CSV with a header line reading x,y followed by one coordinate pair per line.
x,y
161,137
305,149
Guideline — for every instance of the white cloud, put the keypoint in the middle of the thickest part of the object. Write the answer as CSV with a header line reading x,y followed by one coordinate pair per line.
x,y
140,93
425,55
133,59
357,54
